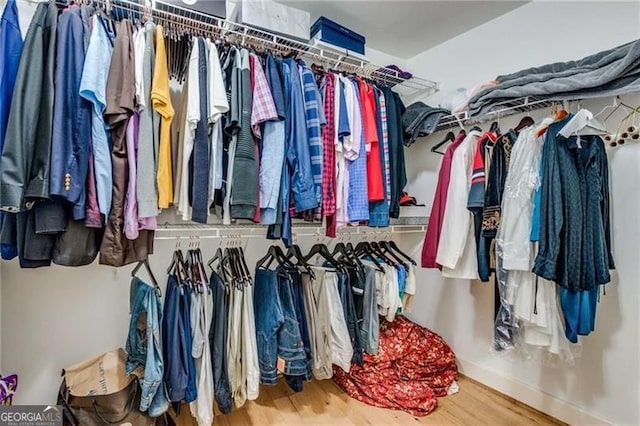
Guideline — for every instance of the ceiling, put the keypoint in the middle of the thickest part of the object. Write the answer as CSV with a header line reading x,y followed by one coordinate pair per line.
x,y
405,28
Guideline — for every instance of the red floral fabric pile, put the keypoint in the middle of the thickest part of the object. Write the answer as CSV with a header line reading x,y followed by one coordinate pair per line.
x,y
412,368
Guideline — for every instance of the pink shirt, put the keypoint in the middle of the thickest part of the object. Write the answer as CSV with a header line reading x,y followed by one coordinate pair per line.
x,y
434,227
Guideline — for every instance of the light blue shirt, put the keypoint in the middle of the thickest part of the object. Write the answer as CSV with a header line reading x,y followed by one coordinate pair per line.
x,y
93,88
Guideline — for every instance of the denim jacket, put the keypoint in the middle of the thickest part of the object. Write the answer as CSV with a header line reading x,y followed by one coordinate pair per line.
x,y
144,346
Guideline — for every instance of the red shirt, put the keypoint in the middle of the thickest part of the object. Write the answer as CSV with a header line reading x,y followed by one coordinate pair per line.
x,y
375,185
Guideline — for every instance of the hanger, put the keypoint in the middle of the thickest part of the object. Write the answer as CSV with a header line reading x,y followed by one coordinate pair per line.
x,y
217,257
495,127
364,248
395,247
274,253
145,263
525,122
294,251
388,260
323,251
246,267
384,247
582,123
450,136
558,115
348,255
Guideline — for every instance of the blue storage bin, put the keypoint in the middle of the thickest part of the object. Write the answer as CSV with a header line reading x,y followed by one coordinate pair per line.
x,y
334,33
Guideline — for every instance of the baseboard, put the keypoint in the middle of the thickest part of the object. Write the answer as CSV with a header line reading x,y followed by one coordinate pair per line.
x,y
535,398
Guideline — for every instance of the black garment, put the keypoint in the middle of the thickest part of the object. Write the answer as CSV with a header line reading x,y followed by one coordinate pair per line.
x,y
420,120
395,109
201,155
218,343
25,157
244,197
495,183
78,245
34,250
575,231
349,310
301,315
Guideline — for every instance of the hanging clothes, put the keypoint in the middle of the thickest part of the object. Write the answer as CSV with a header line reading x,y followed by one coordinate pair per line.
x,y
25,161
116,249
455,252
11,47
438,208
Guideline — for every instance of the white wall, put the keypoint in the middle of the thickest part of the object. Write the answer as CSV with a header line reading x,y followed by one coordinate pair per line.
x,y
54,317
604,382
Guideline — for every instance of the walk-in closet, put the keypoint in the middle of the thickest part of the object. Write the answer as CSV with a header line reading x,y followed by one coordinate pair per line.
x,y
268,212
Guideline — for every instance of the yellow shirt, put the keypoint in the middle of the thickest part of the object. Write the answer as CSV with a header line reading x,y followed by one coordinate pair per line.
x,y
161,99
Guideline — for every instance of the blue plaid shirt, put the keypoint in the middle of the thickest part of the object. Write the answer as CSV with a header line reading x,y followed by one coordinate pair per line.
x,y
314,122
358,205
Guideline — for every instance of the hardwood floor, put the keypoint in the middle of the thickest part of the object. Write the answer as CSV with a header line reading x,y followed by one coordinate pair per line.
x,y
323,403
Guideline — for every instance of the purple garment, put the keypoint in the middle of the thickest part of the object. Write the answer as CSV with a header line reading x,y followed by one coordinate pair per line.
x,y
436,218
133,223
92,218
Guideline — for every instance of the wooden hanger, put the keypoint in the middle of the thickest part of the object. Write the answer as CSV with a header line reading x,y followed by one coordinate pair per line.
x,y
145,263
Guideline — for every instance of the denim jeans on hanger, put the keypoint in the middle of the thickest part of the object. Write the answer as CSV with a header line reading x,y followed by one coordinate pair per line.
x,y
301,314
192,389
218,342
175,373
269,317
144,348
290,345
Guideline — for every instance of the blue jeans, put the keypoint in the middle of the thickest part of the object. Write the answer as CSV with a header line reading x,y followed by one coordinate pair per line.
x,y
192,390
378,214
277,327
176,371
144,347
269,318
290,344
301,314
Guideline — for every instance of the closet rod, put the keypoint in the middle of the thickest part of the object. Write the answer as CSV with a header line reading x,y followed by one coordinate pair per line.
x,y
222,232
499,110
175,17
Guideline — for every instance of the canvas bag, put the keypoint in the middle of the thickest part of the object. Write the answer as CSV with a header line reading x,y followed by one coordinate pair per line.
x,y
98,392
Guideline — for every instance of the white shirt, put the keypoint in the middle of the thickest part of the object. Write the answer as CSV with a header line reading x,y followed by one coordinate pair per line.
x,y
218,105
139,45
352,144
457,248
192,118
341,211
